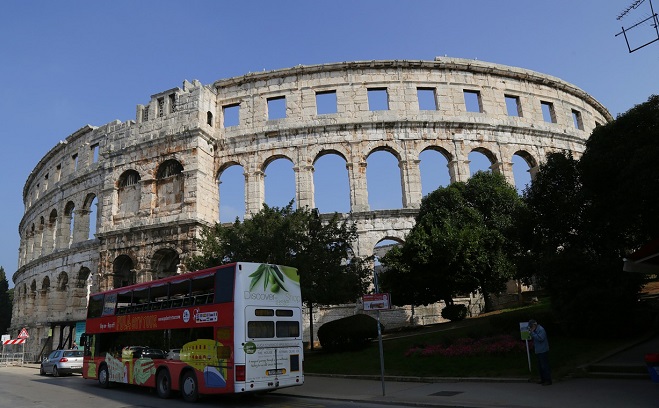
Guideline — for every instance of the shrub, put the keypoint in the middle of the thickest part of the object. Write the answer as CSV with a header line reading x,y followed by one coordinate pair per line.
x,y
454,313
349,333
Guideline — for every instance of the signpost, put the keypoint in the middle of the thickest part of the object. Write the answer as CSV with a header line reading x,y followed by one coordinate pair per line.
x,y
526,336
378,301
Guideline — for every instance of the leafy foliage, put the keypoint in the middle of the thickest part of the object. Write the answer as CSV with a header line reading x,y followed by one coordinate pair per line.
x,y
318,247
348,333
5,303
464,240
454,312
586,215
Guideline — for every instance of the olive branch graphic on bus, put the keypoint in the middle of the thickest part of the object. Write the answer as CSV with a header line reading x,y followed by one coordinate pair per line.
x,y
273,276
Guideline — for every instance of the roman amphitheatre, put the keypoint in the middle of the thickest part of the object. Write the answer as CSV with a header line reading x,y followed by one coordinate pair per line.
x,y
123,202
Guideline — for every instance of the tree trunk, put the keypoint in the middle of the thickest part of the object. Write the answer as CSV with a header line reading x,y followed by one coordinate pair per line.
x,y
310,305
487,301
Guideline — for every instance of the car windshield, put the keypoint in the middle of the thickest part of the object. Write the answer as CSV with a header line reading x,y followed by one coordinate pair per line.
x,y
73,353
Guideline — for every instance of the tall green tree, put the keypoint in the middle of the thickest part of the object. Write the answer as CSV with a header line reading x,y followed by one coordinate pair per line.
x,y
319,247
5,303
587,215
464,240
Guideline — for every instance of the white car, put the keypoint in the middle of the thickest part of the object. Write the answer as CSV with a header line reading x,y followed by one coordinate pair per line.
x,y
60,362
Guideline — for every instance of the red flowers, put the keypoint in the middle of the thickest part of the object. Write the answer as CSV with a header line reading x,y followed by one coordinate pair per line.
x,y
500,344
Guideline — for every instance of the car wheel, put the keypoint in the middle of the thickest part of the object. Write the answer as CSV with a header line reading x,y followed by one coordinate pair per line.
x,y
42,371
164,384
55,372
189,389
104,376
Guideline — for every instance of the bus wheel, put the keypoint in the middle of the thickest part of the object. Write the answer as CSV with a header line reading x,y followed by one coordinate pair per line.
x,y
164,384
189,389
104,376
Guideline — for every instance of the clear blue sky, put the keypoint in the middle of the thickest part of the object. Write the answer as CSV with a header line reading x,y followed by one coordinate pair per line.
x,y
66,64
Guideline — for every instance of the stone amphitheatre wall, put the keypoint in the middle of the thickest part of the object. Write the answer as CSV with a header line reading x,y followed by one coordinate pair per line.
x,y
122,202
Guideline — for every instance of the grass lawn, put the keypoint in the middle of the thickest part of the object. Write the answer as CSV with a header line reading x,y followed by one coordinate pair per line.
x,y
566,353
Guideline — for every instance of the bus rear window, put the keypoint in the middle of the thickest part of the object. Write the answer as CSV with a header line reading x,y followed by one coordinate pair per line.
x,y
264,312
260,330
288,329
284,313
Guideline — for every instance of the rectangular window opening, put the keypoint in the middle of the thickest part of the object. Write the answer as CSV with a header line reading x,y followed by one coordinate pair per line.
x,y
513,106
161,107
172,103
427,98
276,108
473,102
74,160
548,113
58,172
95,153
378,99
577,119
326,103
231,115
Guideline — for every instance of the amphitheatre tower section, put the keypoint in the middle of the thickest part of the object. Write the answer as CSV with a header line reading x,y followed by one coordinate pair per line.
x,y
123,202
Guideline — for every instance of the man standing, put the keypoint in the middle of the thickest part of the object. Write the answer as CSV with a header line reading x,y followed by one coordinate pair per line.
x,y
541,347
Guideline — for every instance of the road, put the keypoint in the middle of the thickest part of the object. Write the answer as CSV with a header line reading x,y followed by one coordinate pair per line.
x,y
22,387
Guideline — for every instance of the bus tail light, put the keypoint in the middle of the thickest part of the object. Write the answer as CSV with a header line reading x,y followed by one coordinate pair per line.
x,y
240,373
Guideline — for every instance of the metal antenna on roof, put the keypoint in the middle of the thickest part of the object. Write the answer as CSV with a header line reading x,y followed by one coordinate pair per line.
x,y
650,22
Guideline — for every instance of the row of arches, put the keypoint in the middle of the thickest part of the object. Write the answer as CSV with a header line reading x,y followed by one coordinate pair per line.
x,y
169,188
62,291
60,229
387,174
127,270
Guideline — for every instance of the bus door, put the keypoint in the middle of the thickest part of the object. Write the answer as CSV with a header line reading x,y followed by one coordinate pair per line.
x,y
273,346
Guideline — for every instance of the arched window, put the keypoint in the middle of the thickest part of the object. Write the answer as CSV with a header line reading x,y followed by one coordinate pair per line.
x,y
90,212
122,271
170,183
62,281
164,263
69,217
129,192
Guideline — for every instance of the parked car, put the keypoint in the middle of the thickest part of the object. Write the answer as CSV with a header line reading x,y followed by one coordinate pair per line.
x,y
174,354
142,352
153,353
62,362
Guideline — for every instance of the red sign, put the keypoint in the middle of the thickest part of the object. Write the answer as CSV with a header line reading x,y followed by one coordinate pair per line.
x,y
377,301
14,341
23,334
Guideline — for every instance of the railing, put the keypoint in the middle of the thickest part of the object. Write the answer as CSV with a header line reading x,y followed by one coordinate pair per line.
x,y
7,359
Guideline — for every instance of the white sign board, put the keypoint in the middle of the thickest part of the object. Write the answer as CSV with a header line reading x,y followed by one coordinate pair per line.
x,y
376,301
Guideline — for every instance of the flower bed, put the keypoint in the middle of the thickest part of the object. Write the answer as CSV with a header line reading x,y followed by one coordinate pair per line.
x,y
470,347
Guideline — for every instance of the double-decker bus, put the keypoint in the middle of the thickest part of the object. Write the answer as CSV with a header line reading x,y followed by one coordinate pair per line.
x,y
235,328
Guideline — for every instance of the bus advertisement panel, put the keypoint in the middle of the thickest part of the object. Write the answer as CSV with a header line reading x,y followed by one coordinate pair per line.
x,y
231,329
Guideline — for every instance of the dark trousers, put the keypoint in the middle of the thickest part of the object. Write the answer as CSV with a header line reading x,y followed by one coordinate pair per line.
x,y
543,366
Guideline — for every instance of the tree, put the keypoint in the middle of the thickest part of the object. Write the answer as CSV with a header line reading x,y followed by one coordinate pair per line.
x,y
5,303
464,240
586,215
319,247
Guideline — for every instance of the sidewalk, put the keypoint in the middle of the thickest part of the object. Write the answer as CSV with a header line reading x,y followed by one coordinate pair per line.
x,y
508,393
572,393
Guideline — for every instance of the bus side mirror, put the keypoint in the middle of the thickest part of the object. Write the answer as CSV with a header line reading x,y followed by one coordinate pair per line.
x,y
83,339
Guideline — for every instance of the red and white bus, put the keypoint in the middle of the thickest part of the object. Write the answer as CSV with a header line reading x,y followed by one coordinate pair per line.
x,y
235,328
